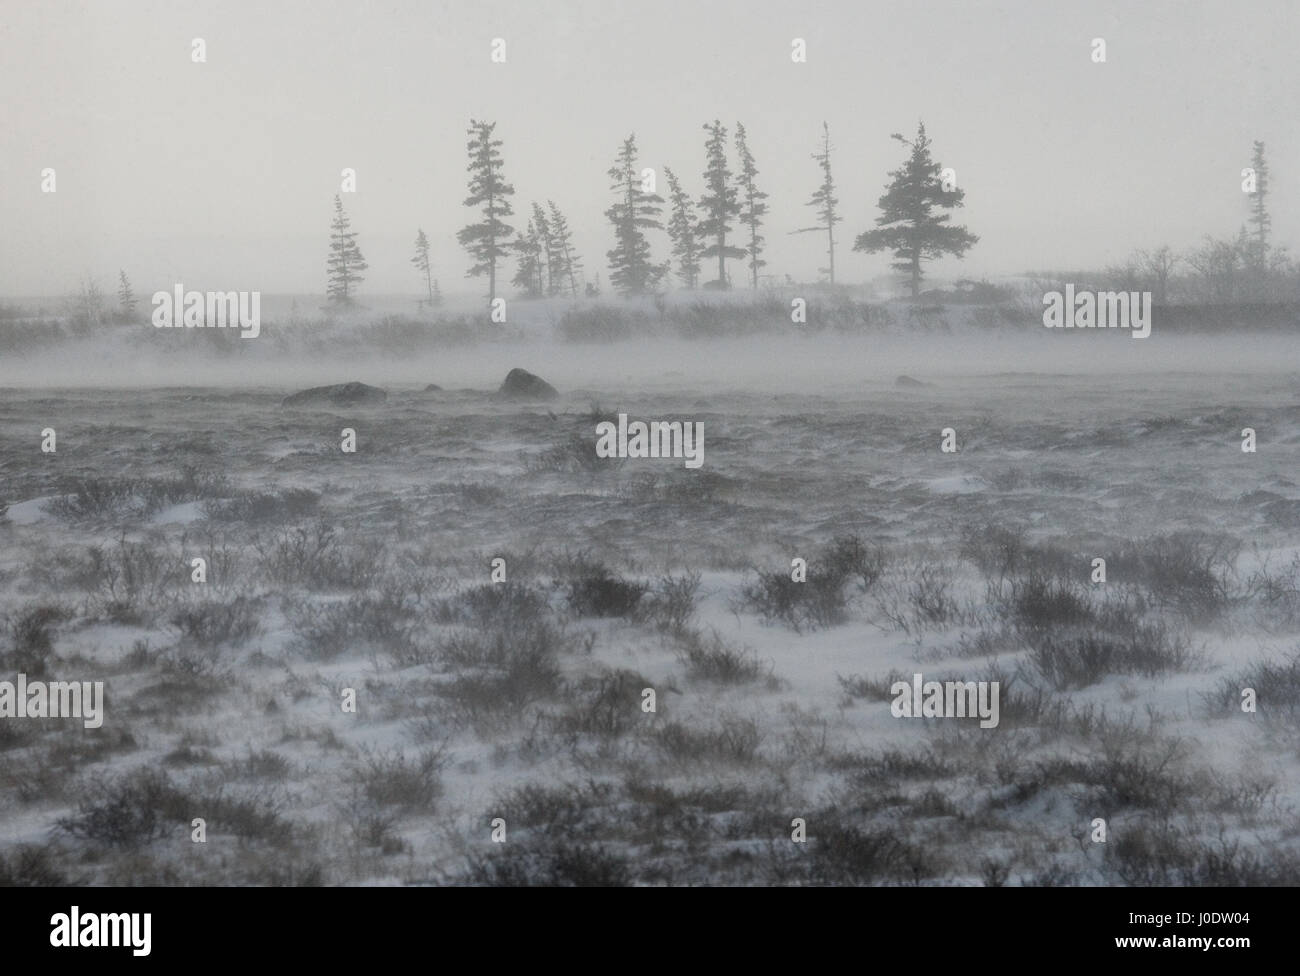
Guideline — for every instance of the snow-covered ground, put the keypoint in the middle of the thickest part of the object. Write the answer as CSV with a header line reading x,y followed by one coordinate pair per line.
x,y
478,700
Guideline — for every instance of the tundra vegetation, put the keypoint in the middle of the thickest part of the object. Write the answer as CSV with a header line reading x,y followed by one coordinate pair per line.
x,y
522,689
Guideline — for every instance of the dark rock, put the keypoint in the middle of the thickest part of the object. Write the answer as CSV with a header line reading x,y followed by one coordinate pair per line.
x,y
908,381
339,395
433,388
521,384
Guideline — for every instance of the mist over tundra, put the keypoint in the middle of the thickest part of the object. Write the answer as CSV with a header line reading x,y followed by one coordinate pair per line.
x,y
792,361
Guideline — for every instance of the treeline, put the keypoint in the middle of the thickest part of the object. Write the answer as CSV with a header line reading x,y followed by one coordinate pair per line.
x,y
725,222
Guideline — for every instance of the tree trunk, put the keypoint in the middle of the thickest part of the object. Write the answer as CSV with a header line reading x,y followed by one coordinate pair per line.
x,y
492,248
830,236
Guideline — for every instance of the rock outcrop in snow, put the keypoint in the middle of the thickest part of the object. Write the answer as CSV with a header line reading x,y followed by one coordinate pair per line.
x,y
338,395
521,384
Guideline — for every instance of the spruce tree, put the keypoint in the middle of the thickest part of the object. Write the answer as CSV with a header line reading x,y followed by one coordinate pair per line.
x,y
345,262
1257,251
125,296
753,209
825,201
488,239
908,224
422,264
567,262
634,211
547,258
719,204
682,232
528,276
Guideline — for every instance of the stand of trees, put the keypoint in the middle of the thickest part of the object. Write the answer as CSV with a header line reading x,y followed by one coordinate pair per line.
x,y
726,221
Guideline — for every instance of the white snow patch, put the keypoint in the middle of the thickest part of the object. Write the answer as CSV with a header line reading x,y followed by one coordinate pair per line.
x,y
184,513
958,484
31,511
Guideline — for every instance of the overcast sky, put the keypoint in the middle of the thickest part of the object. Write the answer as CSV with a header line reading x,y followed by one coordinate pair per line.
x,y
221,175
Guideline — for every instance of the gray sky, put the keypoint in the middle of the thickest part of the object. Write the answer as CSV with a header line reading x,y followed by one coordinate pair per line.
x,y
221,175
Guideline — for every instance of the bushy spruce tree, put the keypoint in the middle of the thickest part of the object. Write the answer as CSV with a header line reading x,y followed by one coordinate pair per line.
x,y
719,205
908,224
682,231
345,262
487,239
634,212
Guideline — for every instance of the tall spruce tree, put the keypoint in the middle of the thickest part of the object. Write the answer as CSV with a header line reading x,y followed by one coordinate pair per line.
x,y
633,212
753,209
423,265
825,202
125,296
487,240
719,204
908,224
567,262
682,231
345,262
1257,250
